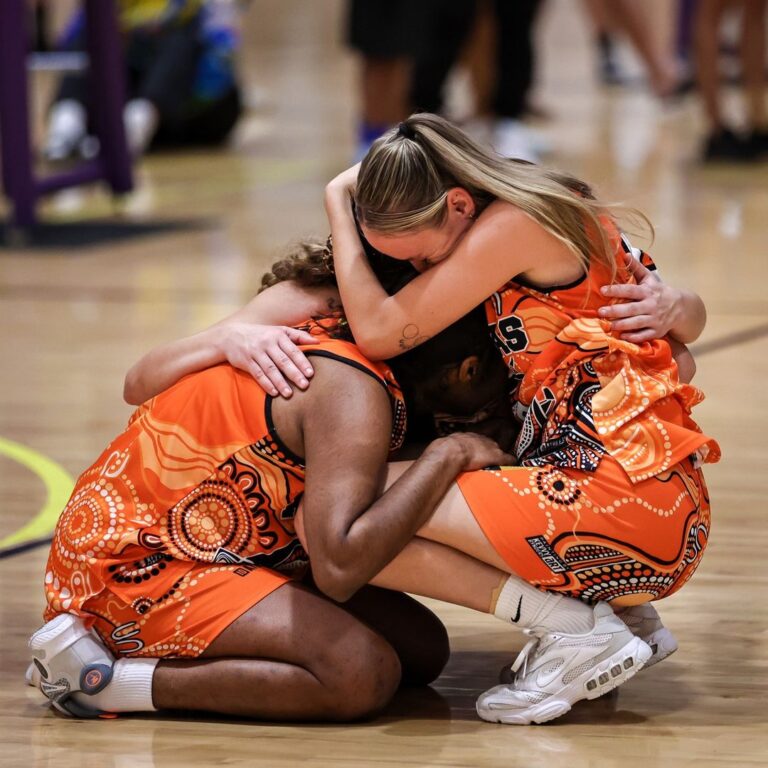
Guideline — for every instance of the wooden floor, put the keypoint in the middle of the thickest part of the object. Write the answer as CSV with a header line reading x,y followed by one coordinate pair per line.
x,y
74,318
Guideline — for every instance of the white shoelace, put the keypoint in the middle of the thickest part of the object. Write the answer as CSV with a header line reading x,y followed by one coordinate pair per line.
x,y
525,654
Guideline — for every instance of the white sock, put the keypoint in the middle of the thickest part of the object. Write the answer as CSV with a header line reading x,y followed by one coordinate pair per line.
x,y
129,690
532,608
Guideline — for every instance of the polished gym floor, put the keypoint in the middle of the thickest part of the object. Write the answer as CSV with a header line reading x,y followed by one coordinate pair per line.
x,y
82,303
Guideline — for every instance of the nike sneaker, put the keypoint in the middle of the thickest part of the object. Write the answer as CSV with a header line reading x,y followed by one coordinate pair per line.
x,y
556,670
644,622
70,659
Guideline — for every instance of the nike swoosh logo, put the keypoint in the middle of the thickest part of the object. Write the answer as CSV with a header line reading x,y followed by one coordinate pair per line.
x,y
519,605
544,679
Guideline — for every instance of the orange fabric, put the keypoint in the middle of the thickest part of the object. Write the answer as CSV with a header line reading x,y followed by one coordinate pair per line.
x,y
183,621
195,495
595,536
580,392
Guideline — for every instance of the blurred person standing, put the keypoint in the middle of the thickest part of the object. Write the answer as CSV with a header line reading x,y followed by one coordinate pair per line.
x,y
181,80
387,35
630,18
449,25
723,142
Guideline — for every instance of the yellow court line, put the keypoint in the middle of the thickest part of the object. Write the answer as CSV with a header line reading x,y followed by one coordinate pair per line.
x,y
58,485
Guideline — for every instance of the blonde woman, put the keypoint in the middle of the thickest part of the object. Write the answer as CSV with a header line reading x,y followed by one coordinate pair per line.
x,y
609,455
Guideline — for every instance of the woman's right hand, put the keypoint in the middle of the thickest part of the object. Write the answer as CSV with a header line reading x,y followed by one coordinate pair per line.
x,y
269,354
477,451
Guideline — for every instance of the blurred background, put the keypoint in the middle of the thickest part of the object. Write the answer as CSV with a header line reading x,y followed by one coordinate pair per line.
x,y
238,114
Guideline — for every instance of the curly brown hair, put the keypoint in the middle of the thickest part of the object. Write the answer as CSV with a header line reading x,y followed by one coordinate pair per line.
x,y
305,263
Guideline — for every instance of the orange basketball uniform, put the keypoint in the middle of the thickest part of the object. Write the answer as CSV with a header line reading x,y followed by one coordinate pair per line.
x,y
609,501
186,520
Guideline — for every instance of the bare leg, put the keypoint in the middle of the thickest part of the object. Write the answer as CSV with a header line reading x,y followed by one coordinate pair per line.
x,y
633,19
417,635
753,61
706,41
454,525
293,656
433,570
385,90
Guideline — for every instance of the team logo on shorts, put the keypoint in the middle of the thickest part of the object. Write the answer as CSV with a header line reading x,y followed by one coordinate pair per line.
x,y
547,555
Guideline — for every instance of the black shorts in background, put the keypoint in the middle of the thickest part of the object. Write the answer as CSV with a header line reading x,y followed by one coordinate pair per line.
x,y
386,29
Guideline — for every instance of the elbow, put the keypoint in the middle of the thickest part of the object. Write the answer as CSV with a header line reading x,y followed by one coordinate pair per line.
x,y
686,368
336,582
132,393
375,347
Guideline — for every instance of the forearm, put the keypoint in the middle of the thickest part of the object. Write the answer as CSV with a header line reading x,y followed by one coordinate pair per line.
x,y
285,303
383,529
165,365
366,303
691,317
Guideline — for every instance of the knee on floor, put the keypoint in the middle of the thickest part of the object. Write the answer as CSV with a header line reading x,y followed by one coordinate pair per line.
x,y
363,675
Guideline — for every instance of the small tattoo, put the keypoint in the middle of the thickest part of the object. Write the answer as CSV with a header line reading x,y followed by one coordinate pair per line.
x,y
333,304
411,337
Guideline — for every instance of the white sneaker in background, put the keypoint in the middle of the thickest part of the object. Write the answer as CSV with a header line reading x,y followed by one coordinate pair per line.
x,y
67,126
511,138
644,622
480,129
554,671
141,118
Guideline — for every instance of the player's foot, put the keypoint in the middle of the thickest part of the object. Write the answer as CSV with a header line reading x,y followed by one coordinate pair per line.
x,y
67,126
727,146
554,671
644,622
70,659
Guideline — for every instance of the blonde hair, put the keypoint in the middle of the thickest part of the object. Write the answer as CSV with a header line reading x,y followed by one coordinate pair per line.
x,y
405,177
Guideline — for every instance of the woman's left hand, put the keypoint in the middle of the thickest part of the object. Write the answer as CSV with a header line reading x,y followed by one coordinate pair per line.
x,y
650,309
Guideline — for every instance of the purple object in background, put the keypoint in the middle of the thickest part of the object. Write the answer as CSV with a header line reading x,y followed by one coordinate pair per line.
x,y
107,81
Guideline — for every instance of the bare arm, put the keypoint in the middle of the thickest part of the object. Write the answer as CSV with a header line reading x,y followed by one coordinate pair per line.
x,y
242,340
686,364
349,532
385,326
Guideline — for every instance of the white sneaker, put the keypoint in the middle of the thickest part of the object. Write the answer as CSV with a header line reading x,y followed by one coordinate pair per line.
x,y
70,659
555,670
141,118
67,125
511,138
644,622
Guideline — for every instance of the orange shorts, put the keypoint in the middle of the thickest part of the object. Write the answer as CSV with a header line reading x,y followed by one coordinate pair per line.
x,y
595,536
201,603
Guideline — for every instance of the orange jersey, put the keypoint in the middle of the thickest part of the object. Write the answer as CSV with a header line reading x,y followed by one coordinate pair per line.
x,y
199,476
579,392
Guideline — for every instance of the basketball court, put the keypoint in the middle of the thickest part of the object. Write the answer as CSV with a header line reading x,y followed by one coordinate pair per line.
x,y
84,301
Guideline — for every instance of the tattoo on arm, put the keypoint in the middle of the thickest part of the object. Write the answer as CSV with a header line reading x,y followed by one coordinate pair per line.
x,y
411,337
